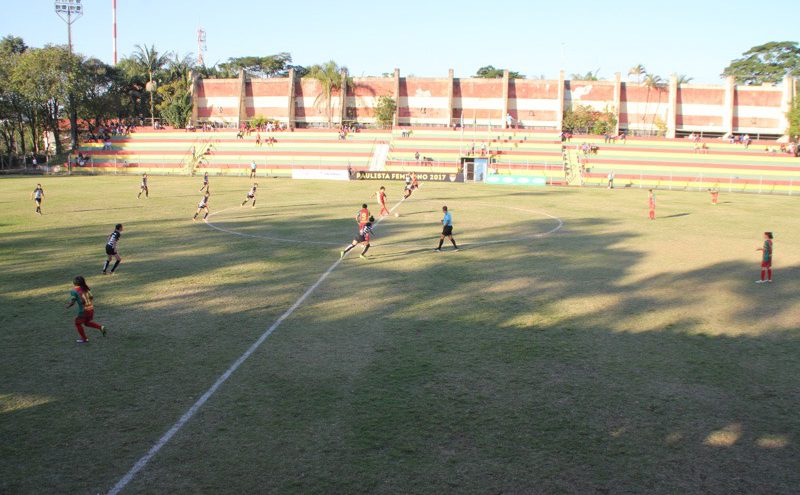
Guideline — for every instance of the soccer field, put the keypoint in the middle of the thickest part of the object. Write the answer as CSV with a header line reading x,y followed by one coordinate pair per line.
x,y
570,346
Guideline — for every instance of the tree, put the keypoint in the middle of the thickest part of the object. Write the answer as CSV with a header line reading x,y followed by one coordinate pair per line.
x,y
638,71
683,79
490,72
767,63
794,118
653,83
277,65
385,110
152,62
589,76
584,119
330,78
39,76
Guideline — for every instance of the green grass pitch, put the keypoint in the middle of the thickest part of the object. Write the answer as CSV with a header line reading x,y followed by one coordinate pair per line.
x,y
615,355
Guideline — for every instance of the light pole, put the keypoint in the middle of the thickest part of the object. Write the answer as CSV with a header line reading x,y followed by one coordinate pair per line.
x,y
69,11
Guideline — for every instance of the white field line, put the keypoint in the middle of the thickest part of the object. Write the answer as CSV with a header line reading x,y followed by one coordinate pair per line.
x,y
142,462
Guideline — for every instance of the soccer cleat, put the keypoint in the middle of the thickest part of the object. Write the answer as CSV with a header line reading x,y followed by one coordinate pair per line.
x,y
769,281
81,341
456,249
341,254
103,330
362,256
759,281
438,250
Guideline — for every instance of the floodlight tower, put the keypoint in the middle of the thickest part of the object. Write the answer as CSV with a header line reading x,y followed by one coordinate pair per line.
x,y
201,45
69,11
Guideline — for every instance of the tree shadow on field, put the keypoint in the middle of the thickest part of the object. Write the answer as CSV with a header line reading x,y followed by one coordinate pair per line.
x,y
545,366
566,363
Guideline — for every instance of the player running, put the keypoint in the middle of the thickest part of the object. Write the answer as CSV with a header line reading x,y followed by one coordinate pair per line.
x,y
251,195
381,194
111,249
202,206
447,229
766,259
408,189
82,295
651,200
38,196
143,189
363,236
414,181
363,216
205,182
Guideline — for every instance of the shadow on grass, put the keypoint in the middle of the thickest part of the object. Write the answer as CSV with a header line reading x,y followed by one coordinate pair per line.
x,y
538,368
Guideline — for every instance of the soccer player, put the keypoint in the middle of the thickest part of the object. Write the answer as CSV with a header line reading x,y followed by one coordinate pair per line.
x,y
202,206
143,189
38,195
447,229
363,236
251,195
714,195
111,248
652,203
82,295
414,182
381,194
363,216
205,182
408,189
766,259
253,169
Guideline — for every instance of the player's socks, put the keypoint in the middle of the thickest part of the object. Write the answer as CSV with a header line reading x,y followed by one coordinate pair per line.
x,y
254,203
105,266
116,264
348,248
79,327
366,248
441,241
454,243
769,274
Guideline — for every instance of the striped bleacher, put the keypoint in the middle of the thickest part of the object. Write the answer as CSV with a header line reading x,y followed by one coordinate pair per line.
x,y
170,152
677,164
517,152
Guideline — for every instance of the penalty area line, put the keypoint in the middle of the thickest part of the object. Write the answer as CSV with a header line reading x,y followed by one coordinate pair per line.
x,y
145,459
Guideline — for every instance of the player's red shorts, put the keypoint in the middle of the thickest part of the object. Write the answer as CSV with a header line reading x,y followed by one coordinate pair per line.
x,y
766,264
86,317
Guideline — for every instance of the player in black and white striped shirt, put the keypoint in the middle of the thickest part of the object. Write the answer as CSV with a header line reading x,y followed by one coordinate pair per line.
x,y
363,236
111,248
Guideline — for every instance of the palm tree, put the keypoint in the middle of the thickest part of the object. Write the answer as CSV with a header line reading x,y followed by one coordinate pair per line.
x,y
150,61
589,76
639,71
683,79
330,78
653,82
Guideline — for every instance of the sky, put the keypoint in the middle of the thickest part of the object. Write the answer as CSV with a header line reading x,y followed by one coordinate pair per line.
x,y
425,38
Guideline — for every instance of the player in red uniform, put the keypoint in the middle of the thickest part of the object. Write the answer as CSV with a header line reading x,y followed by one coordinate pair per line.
x,y
363,236
414,182
382,201
766,259
714,196
363,216
652,203
82,295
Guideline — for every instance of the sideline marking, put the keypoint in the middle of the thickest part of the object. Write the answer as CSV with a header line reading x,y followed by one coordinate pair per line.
x,y
142,462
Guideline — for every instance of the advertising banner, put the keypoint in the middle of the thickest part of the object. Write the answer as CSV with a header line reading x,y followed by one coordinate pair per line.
x,y
300,173
421,176
516,180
